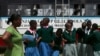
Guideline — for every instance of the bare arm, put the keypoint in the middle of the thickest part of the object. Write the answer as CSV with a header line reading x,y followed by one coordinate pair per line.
x,y
39,39
6,37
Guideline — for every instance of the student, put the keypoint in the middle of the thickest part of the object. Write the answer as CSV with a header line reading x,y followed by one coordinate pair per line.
x,y
89,49
57,49
41,23
12,37
82,36
69,35
94,39
46,34
88,27
31,44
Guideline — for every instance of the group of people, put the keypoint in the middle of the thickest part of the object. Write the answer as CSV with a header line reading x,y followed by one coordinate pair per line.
x,y
83,41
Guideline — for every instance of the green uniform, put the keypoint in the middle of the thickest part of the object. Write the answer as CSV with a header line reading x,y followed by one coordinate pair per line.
x,y
94,39
16,40
82,36
58,42
46,34
70,47
30,43
68,37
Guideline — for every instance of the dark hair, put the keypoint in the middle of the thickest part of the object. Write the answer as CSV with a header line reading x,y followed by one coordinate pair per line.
x,y
32,22
13,17
95,25
83,25
67,23
46,19
41,23
70,21
59,30
89,21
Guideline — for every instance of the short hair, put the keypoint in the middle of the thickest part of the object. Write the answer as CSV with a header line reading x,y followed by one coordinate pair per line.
x,y
70,21
84,23
46,19
41,23
95,25
59,30
66,24
32,22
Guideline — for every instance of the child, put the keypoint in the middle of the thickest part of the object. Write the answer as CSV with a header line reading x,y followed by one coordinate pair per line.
x,y
94,39
31,44
57,49
69,34
82,36
46,34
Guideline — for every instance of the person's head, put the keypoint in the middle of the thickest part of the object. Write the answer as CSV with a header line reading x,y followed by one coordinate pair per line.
x,y
59,32
68,26
89,23
70,21
15,19
33,24
84,25
94,26
41,23
46,21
